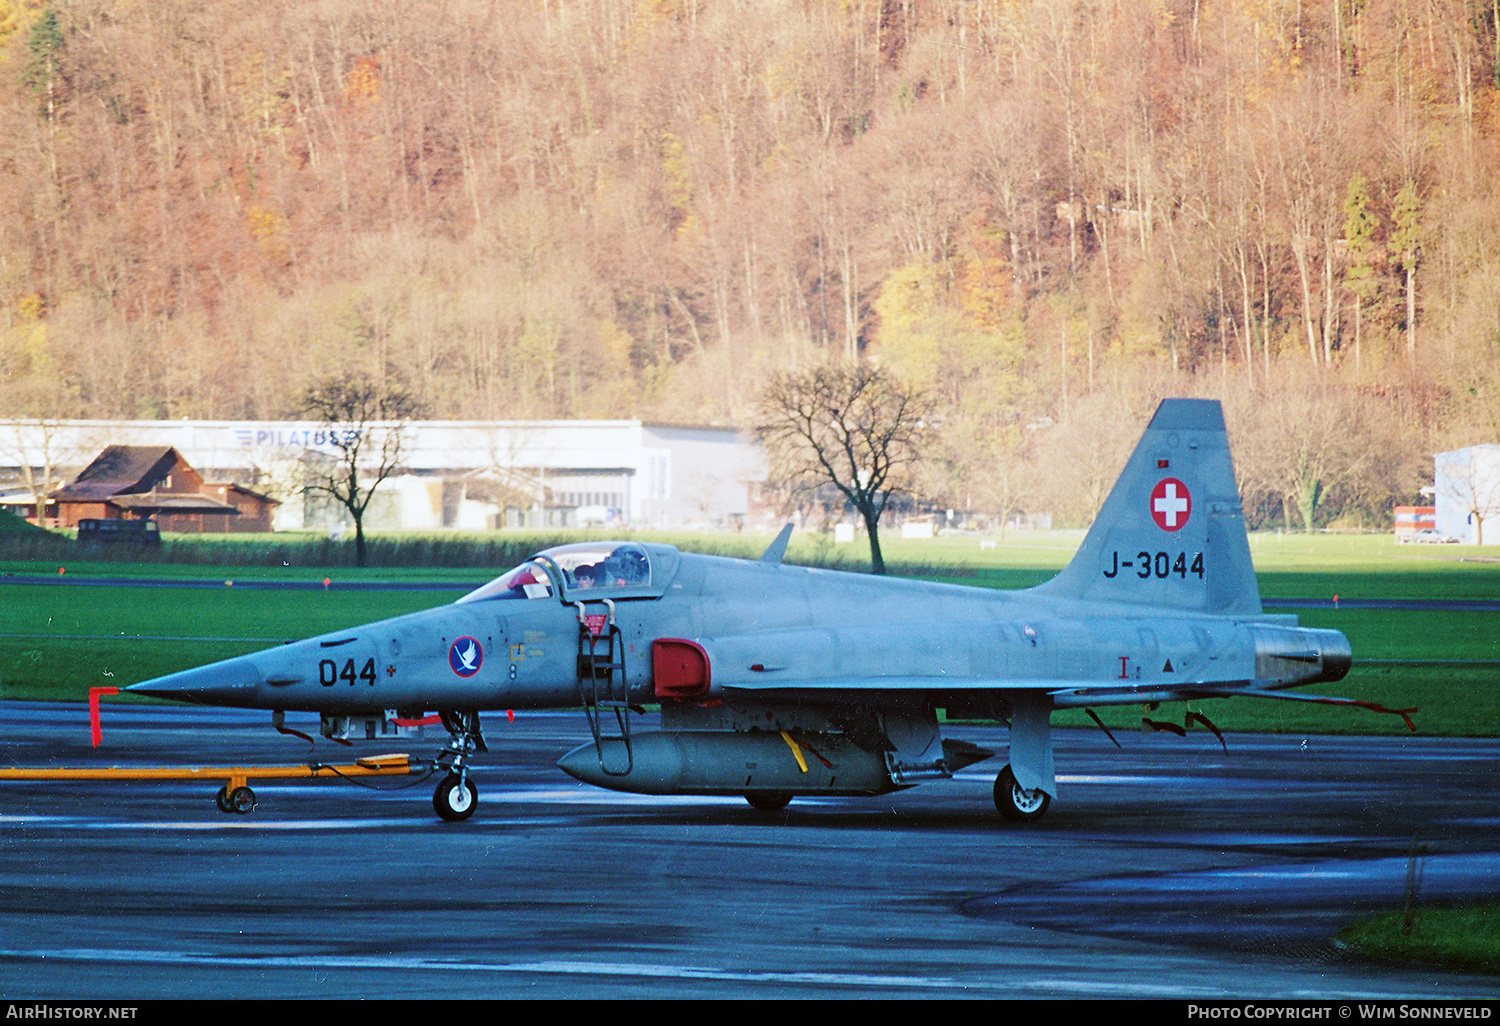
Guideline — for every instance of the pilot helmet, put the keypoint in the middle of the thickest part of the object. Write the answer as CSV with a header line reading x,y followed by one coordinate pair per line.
x,y
628,566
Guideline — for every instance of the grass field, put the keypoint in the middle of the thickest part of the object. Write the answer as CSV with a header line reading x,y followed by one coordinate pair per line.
x,y
57,642
1464,939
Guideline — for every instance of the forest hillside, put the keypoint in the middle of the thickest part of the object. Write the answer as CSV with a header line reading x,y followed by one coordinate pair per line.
x,y
1047,212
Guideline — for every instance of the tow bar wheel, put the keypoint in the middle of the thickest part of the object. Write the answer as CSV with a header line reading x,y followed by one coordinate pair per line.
x,y
235,799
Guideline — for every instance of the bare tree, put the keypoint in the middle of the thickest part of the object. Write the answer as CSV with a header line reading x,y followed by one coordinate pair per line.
x,y
854,426
1306,445
35,391
1470,479
40,448
365,423
1079,457
1005,475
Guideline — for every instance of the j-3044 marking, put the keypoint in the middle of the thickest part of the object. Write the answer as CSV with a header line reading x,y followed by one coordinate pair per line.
x,y
1157,564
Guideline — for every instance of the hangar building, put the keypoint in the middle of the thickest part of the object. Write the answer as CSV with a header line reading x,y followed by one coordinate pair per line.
x,y
469,475
1466,492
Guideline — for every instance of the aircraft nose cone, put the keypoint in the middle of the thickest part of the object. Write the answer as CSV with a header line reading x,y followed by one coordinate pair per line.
x,y
229,682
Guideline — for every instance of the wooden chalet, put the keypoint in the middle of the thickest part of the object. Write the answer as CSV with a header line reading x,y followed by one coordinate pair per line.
x,y
141,482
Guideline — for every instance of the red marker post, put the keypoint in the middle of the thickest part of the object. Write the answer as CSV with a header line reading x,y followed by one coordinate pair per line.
x,y
94,694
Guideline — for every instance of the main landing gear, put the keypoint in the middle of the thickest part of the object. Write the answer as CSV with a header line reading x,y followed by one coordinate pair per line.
x,y
456,797
1017,804
769,801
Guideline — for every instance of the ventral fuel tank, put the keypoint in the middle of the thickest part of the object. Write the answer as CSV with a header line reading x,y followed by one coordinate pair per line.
x,y
718,762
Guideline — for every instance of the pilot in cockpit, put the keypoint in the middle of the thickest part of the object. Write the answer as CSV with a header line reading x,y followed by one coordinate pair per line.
x,y
627,566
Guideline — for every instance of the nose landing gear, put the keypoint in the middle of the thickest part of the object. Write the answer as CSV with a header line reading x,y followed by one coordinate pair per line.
x,y
456,797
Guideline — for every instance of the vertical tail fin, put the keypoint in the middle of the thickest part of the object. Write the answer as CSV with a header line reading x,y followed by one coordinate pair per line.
x,y
1172,533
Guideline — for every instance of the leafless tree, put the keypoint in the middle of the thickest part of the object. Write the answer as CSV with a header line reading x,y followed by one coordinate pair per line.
x,y
854,426
1470,479
40,448
1304,443
1079,457
365,424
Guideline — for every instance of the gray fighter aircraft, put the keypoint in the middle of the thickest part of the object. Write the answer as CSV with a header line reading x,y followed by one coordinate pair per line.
x,y
776,681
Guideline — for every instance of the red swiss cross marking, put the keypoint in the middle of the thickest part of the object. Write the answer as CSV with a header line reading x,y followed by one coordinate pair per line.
x,y
1171,505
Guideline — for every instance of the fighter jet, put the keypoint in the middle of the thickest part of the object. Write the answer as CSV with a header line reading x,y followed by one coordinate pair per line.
x,y
775,681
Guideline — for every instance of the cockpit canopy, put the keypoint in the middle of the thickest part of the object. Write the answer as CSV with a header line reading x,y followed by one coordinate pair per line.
x,y
583,571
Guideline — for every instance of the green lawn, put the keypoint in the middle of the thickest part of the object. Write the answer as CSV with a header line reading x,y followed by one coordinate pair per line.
x,y
1464,939
57,642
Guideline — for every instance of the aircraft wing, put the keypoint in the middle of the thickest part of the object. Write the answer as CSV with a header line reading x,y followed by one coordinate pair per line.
x,y
1064,694
828,686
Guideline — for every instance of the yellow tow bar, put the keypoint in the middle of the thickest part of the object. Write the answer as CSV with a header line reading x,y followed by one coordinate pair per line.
x,y
235,795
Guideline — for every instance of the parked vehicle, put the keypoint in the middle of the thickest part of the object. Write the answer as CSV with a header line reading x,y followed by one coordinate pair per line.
x,y
1426,536
141,533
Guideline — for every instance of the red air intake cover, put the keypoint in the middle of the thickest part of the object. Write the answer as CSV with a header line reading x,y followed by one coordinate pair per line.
x,y
680,668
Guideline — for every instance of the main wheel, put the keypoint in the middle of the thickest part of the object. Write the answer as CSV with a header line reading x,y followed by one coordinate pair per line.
x,y
455,798
241,800
769,801
1017,804
222,799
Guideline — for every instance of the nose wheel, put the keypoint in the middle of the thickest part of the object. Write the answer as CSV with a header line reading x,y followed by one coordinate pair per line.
x,y
455,798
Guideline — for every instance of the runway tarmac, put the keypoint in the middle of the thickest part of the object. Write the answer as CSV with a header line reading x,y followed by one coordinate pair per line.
x,y
1167,870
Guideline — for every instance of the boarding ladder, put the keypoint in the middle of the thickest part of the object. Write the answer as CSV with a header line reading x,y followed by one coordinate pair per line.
x,y
602,686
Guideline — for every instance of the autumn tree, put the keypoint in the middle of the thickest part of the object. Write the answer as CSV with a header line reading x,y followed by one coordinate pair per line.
x,y
1406,246
631,209
854,426
365,423
1360,224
